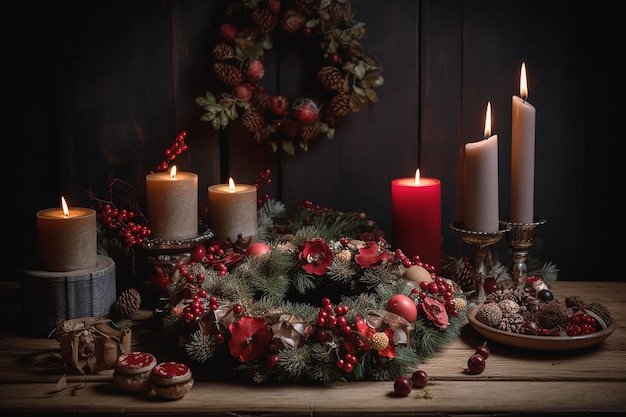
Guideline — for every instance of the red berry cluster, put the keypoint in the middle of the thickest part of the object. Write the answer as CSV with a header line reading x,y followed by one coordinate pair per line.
x,y
329,319
122,221
440,290
213,256
408,262
581,323
263,180
197,306
178,146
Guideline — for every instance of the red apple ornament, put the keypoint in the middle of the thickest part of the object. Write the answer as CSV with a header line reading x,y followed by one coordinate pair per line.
x,y
257,248
306,111
403,306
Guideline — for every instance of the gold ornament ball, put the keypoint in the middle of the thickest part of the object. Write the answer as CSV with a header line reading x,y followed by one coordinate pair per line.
x,y
417,274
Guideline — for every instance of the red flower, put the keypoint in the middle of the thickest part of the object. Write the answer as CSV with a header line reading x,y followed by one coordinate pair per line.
x,y
435,312
362,341
316,256
250,337
368,256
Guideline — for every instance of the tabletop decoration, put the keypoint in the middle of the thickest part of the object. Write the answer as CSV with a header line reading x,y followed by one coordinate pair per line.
x,y
343,82
315,308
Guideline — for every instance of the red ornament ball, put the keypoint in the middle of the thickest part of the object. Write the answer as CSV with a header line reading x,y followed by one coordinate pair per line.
x,y
419,378
257,248
198,253
402,386
403,306
491,285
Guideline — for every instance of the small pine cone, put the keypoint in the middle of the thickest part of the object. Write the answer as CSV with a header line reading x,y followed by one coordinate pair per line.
x,y
261,100
380,341
252,120
292,21
228,74
222,51
309,132
336,15
128,303
290,128
340,105
235,9
331,78
601,311
264,20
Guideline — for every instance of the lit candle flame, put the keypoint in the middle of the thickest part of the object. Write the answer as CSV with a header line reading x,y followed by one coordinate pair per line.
x,y
173,172
417,176
488,120
66,211
231,185
523,83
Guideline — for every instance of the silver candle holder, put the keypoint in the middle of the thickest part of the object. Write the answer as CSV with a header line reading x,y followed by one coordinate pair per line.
x,y
520,239
481,240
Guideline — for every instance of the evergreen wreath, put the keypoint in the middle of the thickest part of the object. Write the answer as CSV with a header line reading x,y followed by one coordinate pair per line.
x,y
310,302
346,73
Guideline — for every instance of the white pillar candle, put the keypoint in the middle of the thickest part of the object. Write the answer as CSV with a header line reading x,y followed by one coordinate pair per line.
x,y
522,155
172,204
233,211
481,182
67,238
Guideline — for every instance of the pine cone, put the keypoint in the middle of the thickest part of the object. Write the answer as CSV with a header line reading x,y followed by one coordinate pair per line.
x,y
235,9
128,303
228,74
340,105
261,100
290,128
331,78
292,20
264,20
252,120
309,132
336,15
222,51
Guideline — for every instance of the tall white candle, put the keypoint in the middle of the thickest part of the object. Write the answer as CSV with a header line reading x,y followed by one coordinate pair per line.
x,y
233,211
522,155
172,204
481,210
67,238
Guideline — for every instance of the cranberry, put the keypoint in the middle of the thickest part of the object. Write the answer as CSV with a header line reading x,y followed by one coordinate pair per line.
x,y
491,285
476,363
402,386
419,378
483,351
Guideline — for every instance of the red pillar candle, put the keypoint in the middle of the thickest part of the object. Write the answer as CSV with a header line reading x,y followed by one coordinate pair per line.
x,y
416,212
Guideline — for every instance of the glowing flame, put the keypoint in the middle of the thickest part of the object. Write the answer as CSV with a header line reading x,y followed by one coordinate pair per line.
x,y
523,83
173,172
488,121
417,176
66,211
231,185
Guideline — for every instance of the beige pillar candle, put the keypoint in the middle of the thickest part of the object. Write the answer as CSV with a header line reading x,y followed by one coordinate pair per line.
x,y
233,211
481,210
172,204
522,155
67,238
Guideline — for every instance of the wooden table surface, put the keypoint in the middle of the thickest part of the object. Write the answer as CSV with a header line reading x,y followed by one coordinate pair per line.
x,y
588,381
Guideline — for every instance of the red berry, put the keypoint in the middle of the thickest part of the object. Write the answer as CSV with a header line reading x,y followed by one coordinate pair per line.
x,y
198,253
419,378
483,351
491,285
402,386
476,363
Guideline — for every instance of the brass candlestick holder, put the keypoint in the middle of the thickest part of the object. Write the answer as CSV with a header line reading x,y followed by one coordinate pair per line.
x,y
480,240
520,238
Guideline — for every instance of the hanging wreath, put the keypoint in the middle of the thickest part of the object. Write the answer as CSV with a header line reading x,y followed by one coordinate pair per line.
x,y
345,78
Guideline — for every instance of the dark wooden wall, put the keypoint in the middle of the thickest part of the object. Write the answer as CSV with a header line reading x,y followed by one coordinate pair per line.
x,y
101,88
